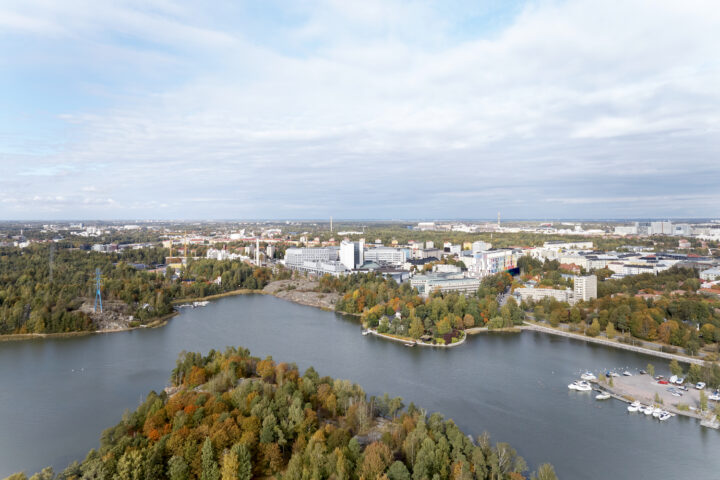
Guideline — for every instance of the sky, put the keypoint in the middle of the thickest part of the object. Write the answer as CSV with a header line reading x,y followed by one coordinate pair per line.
x,y
375,109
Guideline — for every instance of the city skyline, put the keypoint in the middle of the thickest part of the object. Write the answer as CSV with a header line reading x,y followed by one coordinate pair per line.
x,y
540,109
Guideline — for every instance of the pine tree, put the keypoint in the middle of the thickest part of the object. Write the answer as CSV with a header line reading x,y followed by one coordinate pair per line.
x,y
210,470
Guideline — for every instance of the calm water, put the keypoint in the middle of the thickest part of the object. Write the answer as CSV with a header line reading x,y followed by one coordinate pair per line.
x,y
58,395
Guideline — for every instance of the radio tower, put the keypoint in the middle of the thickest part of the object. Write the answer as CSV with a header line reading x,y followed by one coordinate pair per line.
x,y
98,296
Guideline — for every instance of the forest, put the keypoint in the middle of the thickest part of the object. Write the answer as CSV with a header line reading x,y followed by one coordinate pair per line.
x,y
229,415
662,308
442,316
41,290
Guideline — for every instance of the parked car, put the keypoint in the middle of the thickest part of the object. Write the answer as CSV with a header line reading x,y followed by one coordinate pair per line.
x,y
663,382
700,385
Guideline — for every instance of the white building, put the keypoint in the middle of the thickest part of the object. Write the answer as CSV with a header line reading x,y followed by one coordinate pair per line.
x,y
298,256
483,264
711,274
626,230
569,245
661,228
444,282
393,256
537,294
352,254
585,288
480,246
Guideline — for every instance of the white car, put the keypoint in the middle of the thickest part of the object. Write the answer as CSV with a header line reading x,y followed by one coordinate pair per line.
x,y
700,385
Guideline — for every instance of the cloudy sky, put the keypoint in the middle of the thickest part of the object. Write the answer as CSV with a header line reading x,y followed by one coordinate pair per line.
x,y
367,109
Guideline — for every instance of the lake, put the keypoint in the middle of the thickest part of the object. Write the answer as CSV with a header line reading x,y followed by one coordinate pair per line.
x,y
58,395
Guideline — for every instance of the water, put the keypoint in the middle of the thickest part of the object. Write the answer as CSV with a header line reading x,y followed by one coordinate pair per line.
x,y
57,395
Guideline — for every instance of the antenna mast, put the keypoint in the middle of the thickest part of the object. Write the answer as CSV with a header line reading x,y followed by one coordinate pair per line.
x,y
98,296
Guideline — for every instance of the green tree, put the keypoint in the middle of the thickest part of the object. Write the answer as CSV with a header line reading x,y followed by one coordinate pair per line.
x,y
210,470
675,368
703,401
610,331
594,329
650,369
398,471
416,328
545,472
178,469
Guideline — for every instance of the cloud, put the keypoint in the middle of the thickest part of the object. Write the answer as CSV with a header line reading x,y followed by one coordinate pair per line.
x,y
395,110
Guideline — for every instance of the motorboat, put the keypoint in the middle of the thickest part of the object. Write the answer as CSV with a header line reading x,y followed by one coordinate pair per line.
x,y
634,407
656,412
642,372
366,332
602,396
648,410
588,376
664,416
583,386
614,374
627,374
409,345
580,386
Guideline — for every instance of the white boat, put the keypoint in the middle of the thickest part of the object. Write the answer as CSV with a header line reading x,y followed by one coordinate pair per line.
x,y
588,376
366,332
656,412
627,374
613,374
634,407
583,386
602,396
648,410
573,386
664,416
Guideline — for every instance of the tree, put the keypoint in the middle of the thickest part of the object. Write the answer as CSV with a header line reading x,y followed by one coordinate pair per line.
x,y
545,472
594,329
703,401
229,468
376,459
675,368
610,331
178,469
398,471
650,369
210,470
416,328
244,470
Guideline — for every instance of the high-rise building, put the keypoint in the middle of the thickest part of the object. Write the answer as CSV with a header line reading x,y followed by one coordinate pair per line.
x,y
352,254
585,288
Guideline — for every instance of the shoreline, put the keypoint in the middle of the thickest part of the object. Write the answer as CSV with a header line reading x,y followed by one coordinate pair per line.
x,y
414,342
162,321
609,343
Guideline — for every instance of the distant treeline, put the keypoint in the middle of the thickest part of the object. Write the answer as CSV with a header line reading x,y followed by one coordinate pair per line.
x,y
41,291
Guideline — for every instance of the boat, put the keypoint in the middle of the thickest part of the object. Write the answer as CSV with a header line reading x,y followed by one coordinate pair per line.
x,y
714,397
627,374
204,303
366,332
648,410
602,396
409,345
583,386
664,416
613,374
642,372
634,407
588,376
656,412
573,386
